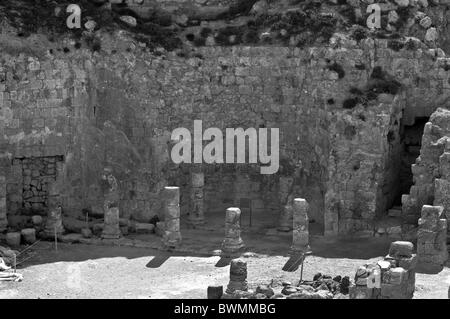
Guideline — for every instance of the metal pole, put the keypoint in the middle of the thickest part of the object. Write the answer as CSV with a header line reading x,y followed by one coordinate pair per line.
x,y
250,213
301,270
56,240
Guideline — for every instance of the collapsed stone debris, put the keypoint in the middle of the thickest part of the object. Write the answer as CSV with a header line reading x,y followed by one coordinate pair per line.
x,y
390,278
321,287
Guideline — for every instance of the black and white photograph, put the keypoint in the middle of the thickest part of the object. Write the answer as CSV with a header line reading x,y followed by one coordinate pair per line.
x,y
226,156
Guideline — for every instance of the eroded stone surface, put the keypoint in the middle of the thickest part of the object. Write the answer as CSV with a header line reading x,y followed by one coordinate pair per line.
x,y
172,234
233,243
432,240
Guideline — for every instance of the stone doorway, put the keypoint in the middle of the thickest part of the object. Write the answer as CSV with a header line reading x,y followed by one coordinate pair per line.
x,y
411,145
37,175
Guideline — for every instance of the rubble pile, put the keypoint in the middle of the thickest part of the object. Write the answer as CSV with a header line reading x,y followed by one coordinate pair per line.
x,y
321,287
390,278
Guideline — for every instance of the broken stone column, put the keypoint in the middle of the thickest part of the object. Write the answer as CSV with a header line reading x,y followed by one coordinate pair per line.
x,y
3,215
432,240
238,276
391,278
111,228
232,243
196,214
300,233
285,186
54,222
54,188
172,235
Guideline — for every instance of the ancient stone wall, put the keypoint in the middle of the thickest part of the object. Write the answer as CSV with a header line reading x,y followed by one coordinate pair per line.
x,y
429,178
119,107
394,277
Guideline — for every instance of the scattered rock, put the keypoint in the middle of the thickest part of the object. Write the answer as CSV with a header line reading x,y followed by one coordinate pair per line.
x,y
426,22
13,239
265,290
37,220
402,3
71,238
131,21
73,225
260,8
289,290
29,235
86,233
90,25
431,35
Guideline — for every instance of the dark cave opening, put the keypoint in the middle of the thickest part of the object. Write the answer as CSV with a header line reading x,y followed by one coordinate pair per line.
x,y
411,141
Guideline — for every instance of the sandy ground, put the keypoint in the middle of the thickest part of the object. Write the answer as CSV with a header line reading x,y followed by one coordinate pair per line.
x,y
81,271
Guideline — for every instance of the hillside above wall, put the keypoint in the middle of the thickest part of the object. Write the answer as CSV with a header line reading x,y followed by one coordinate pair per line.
x,y
183,25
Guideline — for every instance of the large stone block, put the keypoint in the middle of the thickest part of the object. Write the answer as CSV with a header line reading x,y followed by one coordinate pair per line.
x,y
172,196
401,249
29,235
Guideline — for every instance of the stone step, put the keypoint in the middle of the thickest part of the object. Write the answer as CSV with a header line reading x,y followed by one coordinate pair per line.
x,y
395,212
414,149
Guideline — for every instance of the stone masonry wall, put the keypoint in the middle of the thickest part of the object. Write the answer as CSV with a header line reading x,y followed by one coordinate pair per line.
x,y
119,107
429,177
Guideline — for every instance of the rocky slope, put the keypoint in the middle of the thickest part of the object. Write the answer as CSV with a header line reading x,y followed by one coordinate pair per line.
x,y
193,23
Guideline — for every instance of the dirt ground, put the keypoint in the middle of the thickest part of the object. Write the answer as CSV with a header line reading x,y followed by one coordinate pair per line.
x,y
89,271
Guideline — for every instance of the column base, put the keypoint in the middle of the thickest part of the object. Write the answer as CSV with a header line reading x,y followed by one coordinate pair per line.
x,y
171,240
230,250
